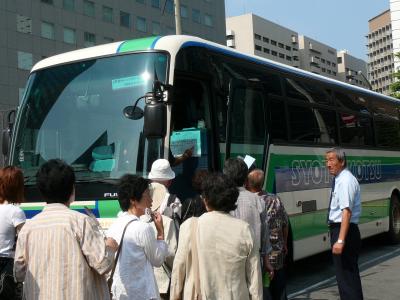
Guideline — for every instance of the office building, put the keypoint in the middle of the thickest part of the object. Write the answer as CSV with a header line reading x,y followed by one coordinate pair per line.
x,y
317,57
380,52
254,35
33,30
352,70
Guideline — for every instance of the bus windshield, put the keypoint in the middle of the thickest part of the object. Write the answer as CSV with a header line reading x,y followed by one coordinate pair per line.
x,y
75,112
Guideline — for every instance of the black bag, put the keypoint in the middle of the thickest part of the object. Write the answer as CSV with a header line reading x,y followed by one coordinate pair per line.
x,y
9,289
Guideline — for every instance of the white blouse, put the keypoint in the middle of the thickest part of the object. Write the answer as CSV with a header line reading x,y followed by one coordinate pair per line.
x,y
141,251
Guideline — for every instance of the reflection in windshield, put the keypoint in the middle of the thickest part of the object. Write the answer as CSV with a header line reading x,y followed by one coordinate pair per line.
x,y
75,112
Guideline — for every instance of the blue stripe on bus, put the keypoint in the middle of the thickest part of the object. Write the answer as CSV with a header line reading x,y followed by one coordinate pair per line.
x,y
289,179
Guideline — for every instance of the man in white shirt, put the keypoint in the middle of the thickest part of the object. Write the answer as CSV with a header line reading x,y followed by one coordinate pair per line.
x,y
343,215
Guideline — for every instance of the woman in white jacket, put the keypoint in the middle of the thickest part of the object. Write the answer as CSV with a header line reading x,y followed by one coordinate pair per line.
x,y
142,248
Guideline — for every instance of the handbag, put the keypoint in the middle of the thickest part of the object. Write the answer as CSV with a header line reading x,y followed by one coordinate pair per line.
x,y
110,279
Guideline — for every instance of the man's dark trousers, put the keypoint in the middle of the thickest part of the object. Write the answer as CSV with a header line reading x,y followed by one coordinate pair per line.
x,y
346,264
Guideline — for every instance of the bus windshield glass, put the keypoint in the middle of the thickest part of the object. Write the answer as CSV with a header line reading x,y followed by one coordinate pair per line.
x,y
75,112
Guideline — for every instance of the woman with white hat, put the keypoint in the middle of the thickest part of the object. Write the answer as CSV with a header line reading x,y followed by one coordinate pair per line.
x,y
162,174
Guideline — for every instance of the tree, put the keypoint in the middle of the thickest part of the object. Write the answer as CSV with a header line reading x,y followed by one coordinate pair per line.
x,y
395,86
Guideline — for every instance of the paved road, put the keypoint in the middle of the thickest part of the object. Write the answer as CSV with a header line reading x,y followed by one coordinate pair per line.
x,y
313,278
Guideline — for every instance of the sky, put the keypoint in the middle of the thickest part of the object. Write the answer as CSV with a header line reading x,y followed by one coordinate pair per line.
x,y
341,24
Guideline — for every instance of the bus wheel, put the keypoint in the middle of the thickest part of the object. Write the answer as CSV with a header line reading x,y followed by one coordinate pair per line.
x,y
394,220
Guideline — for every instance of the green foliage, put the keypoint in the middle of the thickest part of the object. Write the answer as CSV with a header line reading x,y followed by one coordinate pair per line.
x,y
395,86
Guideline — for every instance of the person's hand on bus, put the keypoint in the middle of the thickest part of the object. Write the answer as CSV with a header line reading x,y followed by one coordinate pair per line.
x,y
111,243
188,153
157,218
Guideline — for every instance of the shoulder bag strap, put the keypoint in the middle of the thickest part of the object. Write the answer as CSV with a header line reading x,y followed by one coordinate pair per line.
x,y
195,260
118,252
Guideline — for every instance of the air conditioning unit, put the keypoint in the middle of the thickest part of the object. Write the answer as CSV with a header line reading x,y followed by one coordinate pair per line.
x,y
230,34
230,43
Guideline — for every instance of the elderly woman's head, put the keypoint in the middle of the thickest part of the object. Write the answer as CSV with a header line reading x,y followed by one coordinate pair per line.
x,y
219,193
133,193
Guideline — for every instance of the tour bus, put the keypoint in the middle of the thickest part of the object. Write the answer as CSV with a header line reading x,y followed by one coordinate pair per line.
x,y
115,108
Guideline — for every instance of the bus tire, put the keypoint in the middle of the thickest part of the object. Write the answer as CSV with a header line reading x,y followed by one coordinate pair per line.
x,y
394,220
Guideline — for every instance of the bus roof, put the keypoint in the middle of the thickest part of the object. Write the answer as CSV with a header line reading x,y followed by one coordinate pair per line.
x,y
173,43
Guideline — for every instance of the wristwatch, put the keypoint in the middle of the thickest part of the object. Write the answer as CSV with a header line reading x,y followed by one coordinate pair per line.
x,y
340,241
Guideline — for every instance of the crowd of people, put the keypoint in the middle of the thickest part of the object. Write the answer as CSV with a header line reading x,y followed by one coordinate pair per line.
x,y
221,244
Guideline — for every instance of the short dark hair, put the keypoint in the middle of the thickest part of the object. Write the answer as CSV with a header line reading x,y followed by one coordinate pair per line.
x,y
236,169
220,192
55,181
198,179
131,187
11,185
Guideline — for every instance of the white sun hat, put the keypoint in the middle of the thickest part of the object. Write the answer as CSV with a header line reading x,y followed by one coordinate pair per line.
x,y
161,170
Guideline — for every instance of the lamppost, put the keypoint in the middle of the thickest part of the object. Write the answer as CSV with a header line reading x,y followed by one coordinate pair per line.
x,y
365,79
178,24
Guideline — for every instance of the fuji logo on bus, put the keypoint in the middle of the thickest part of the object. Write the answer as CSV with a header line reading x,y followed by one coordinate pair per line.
x,y
306,172
111,195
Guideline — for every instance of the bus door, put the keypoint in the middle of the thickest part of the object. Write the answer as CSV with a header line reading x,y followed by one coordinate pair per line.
x,y
190,129
246,126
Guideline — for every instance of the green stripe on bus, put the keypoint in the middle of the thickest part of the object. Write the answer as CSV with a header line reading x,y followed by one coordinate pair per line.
x,y
108,208
314,223
137,44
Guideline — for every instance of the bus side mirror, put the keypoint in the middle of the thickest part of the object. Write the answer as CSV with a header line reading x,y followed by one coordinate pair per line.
x,y
155,120
6,137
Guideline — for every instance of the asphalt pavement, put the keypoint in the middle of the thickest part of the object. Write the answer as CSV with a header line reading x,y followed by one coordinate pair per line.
x,y
380,277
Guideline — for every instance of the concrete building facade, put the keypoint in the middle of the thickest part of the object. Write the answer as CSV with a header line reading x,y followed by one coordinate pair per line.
x,y
352,70
317,57
31,30
380,52
395,23
252,34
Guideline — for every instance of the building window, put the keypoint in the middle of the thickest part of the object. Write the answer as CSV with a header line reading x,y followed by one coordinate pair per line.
x,y
155,3
288,58
47,1
339,60
107,14
258,48
155,28
169,6
25,60
124,19
141,24
322,60
333,65
24,24
265,40
69,5
69,36
184,12
196,17
328,62
288,48
88,8
266,50
274,53
257,36
280,45
47,30
273,42
281,55
208,20
89,39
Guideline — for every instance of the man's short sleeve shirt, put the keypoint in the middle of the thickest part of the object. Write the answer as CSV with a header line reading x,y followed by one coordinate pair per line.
x,y
346,194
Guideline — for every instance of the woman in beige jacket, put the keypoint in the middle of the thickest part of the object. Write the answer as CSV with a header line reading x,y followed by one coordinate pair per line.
x,y
228,263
